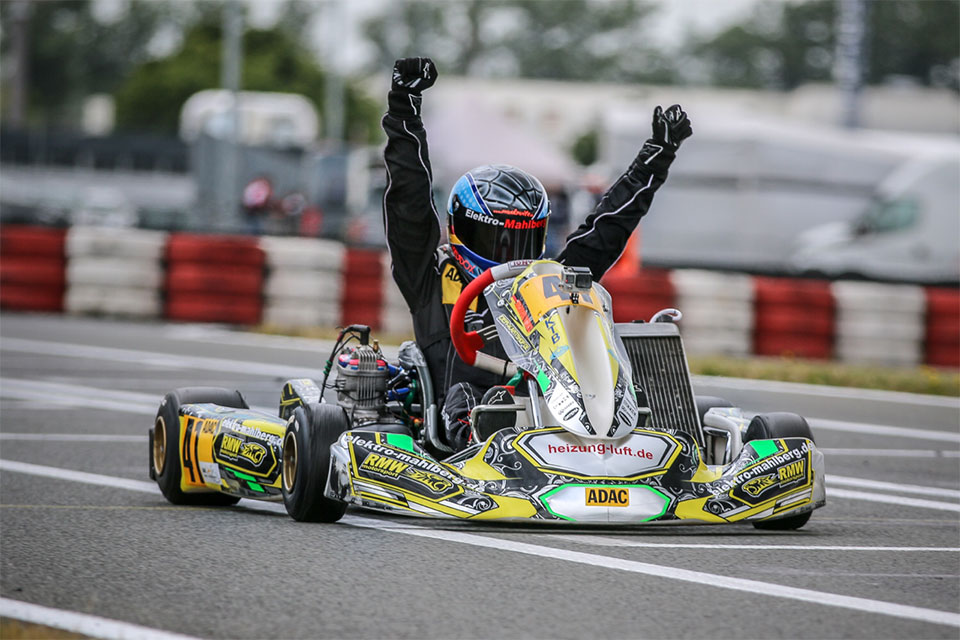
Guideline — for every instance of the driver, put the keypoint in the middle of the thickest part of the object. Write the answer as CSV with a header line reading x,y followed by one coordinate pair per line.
x,y
495,214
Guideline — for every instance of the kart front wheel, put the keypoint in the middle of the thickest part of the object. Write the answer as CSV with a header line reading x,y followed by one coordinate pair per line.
x,y
771,426
165,443
306,462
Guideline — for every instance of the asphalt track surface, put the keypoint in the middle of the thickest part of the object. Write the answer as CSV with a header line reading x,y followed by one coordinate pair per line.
x,y
85,531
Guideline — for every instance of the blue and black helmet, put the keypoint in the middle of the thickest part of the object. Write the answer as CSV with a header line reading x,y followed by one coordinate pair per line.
x,y
497,213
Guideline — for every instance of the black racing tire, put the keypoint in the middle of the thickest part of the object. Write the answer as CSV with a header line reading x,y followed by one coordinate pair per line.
x,y
770,426
705,403
306,462
164,459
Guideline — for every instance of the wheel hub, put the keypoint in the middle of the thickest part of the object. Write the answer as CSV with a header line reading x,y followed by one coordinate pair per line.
x,y
159,445
289,471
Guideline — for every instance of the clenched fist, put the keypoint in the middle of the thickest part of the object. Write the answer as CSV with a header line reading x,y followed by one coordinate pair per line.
x,y
671,127
413,75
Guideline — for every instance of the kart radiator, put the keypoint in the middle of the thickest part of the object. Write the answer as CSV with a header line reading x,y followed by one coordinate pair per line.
x,y
660,370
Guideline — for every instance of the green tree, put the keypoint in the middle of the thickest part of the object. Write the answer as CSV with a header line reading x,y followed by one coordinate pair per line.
x,y
787,44
72,55
560,39
273,61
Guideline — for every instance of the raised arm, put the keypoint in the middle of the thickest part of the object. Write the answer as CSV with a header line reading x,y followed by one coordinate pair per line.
x,y
599,241
410,216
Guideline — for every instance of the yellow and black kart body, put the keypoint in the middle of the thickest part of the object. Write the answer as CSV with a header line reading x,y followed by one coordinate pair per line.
x,y
608,431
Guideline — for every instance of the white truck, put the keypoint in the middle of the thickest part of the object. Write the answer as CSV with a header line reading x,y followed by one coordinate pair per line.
x,y
909,232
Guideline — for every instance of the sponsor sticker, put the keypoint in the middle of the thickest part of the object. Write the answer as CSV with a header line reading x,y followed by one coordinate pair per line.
x,y
760,484
612,497
634,455
210,472
389,467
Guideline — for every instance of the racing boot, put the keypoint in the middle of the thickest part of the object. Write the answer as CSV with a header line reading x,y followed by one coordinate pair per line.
x,y
488,423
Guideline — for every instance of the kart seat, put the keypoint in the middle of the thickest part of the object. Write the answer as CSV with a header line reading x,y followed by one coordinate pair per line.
x,y
386,427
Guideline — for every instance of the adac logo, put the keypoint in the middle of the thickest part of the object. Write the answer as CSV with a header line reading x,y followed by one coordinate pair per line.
x,y
790,473
253,452
611,497
759,484
383,465
431,481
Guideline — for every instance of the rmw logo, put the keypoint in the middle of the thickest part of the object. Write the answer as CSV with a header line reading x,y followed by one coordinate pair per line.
x,y
383,465
792,472
230,446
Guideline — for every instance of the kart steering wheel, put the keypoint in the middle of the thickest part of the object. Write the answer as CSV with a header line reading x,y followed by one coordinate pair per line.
x,y
469,343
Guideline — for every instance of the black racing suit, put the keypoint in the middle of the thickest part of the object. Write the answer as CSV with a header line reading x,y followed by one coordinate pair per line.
x,y
428,276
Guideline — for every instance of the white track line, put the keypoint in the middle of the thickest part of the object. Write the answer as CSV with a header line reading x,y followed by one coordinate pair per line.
x,y
896,397
72,395
602,541
72,437
888,499
156,359
890,453
882,430
699,578
82,623
860,483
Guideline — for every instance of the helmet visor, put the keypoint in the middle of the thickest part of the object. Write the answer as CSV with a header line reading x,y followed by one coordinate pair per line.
x,y
502,239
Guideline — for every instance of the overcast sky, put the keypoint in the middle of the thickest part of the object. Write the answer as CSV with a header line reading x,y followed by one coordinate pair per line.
x,y
673,20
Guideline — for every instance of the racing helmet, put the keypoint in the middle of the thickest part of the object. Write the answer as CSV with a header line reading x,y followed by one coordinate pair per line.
x,y
497,213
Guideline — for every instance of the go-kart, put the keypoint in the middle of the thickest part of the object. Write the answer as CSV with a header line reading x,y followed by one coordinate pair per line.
x,y
599,424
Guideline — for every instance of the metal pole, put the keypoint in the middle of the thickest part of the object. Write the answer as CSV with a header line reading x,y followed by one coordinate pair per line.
x,y
848,69
19,50
334,94
230,79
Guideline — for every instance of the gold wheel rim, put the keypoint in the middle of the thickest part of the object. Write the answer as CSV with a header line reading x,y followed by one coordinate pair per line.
x,y
159,445
289,461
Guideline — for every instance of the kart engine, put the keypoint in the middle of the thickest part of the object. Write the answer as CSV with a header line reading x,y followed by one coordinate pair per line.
x,y
362,382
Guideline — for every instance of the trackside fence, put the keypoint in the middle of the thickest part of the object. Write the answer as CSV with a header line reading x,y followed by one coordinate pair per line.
x,y
297,282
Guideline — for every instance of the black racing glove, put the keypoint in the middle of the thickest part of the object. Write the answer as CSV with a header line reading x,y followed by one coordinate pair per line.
x,y
410,77
671,127
413,75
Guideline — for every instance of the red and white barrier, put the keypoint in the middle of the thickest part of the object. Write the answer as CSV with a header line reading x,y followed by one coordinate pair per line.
x,y
395,318
879,323
942,327
640,296
793,318
297,282
214,279
32,268
362,297
114,271
717,311
304,282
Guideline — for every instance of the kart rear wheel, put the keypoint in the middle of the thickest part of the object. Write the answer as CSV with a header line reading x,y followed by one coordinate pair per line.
x,y
165,440
705,403
770,426
306,462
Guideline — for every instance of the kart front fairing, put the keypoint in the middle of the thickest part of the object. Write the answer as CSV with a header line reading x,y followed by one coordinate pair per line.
x,y
565,340
549,474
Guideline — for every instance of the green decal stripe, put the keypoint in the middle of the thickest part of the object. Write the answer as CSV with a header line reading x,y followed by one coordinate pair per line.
x,y
542,380
255,487
243,476
400,441
666,503
546,505
764,448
